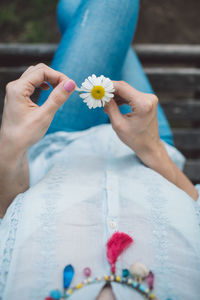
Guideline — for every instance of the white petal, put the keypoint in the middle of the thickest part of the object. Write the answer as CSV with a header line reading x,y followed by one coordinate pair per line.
x,y
89,99
91,104
84,95
108,82
106,99
110,95
95,104
92,80
102,78
109,88
94,76
98,81
87,84
83,90
99,103
103,102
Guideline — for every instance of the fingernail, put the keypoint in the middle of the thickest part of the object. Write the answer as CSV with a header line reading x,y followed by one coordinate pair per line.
x,y
69,86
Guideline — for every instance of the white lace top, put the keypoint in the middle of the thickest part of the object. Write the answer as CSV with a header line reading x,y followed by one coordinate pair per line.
x,y
84,187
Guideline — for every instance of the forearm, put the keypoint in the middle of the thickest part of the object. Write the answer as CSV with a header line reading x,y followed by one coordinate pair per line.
x,y
156,157
14,175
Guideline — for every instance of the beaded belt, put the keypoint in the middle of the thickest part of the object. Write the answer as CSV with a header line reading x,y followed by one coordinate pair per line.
x,y
138,277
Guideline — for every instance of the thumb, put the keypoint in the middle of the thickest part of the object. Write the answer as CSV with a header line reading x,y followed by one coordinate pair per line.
x,y
58,96
116,118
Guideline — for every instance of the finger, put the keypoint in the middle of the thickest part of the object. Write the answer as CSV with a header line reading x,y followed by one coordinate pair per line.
x,y
117,119
38,75
58,96
44,86
119,100
126,94
27,71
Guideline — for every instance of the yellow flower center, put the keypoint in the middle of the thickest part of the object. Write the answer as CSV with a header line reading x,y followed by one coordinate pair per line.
x,y
98,92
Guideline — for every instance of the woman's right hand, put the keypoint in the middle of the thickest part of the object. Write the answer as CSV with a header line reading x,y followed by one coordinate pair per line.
x,y
138,129
24,122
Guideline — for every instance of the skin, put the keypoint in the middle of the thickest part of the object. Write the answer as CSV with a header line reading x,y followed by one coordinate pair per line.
x,y
24,123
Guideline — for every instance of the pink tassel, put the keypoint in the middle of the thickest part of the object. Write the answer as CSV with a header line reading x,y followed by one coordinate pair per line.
x,y
118,242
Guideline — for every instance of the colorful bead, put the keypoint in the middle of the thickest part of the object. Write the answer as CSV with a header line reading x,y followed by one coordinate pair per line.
x,y
106,277
85,281
139,270
143,289
48,298
69,292
150,280
98,278
112,277
87,272
129,281
89,280
118,278
152,296
125,273
79,286
134,284
56,294
124,279
68,274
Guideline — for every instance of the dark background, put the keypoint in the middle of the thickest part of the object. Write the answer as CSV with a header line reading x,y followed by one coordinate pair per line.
x,y
161,21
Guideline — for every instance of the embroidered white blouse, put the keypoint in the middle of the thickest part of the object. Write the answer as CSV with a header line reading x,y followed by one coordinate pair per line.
x,y
85,186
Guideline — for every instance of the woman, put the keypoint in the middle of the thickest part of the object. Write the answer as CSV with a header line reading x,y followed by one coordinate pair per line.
x,y
86,181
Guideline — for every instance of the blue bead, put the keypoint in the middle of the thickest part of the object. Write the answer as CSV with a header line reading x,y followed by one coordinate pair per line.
x,y
125,273
68,275
142,288
56,294
134,284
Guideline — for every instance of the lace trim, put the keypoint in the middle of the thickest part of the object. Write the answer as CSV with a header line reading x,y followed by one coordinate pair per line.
x,y
48,237
9,245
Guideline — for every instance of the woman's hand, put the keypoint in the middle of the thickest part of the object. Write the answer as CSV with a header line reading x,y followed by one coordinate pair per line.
x,y
24,122
138,129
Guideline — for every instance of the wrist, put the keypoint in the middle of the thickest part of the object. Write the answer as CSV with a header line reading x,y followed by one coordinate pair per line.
x,y
149,148
10,152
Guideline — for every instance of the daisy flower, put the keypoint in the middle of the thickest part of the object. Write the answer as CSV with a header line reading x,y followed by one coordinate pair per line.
x,y
96,91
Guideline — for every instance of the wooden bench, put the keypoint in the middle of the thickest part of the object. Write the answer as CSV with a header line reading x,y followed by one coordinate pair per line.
x,y
174,71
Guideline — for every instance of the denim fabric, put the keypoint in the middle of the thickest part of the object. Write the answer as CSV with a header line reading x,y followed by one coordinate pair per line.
x,y
96,38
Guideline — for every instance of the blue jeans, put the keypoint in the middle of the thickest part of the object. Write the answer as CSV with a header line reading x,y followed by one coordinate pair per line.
x,y
96,39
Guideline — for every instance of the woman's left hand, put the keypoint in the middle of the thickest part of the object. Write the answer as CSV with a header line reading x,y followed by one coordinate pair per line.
x,y
138,129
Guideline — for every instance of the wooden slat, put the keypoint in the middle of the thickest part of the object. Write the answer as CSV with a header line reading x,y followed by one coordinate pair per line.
x,y
165,54
25,54
8,74
174,79
162,79
16,54
182,110
187,140
192,170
